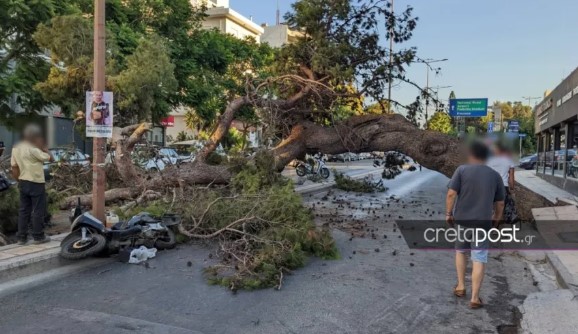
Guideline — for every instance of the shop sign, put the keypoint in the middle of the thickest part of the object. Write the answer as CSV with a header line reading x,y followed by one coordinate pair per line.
x,y
567,97
545,106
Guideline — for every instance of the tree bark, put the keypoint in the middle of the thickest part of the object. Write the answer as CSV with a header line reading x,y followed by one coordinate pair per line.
x,y
369,133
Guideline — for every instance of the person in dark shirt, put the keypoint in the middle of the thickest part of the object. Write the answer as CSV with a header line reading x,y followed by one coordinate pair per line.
x,y
475,200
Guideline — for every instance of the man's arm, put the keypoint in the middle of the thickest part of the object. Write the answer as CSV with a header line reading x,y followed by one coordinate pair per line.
x,y
499,198
14,165
15,172
450,201
453,190
42,155
498,213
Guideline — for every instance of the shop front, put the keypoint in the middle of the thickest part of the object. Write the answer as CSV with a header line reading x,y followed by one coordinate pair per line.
x,y
557,133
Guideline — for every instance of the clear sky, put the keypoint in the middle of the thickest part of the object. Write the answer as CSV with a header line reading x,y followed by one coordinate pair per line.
x,y
500,49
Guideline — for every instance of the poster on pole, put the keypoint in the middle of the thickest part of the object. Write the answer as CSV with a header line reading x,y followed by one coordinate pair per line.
x,y
99,113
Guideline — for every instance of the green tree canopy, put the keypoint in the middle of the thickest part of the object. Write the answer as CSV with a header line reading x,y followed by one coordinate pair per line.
x,y
440,121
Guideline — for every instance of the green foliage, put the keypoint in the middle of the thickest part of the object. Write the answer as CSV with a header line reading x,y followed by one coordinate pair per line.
x,y
366,185
344,42
259,175
144,94
9,204
441,122
284,236
215,159
155,208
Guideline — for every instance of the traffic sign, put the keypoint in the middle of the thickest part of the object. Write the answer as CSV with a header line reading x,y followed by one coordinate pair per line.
x,y
522,135
490,127
468,107
513,126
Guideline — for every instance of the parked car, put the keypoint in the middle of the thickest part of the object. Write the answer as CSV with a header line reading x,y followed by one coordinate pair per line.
x,y
558,157
348,156
528,162
143,158
65,155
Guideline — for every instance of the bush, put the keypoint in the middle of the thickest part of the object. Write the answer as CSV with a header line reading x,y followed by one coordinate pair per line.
x,y
9,203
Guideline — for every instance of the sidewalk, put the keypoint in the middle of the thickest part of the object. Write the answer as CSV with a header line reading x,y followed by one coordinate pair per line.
x,y
528,179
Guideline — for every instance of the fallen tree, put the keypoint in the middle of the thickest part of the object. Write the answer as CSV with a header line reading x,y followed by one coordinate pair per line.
x,y
357,134
299,96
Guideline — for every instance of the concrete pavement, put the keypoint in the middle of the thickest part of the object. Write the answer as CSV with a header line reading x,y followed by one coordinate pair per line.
x,y
378,286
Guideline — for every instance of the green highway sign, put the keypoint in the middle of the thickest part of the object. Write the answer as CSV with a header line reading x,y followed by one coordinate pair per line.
x,y
468,107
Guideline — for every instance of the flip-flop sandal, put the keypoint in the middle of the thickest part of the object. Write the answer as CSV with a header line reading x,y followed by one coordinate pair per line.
x,y
459,293
475,306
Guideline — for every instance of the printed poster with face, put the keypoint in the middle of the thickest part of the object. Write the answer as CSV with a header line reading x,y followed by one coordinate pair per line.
x,y
99,112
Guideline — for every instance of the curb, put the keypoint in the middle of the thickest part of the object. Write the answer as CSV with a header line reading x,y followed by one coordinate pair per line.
x,y
563,276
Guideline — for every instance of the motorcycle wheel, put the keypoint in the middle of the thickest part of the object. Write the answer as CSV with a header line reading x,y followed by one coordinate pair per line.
x,y
324,173
169,241
300,170
73,248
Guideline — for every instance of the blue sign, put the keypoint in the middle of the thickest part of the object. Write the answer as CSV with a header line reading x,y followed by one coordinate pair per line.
x,y
490,127
513,126
522,135
468,107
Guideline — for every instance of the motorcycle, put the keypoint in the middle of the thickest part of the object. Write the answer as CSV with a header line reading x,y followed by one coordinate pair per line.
x,y
89,236
318,167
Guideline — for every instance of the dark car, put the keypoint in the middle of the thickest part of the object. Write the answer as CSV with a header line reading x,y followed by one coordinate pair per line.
x,y
528,162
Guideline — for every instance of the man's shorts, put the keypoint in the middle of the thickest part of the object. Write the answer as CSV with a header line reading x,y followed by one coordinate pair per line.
x,y
478,252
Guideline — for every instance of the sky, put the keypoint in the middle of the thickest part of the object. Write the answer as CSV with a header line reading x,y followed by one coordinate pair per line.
x,y
503,50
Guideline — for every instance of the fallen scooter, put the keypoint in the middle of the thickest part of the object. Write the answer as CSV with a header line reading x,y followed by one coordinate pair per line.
x,y
89,236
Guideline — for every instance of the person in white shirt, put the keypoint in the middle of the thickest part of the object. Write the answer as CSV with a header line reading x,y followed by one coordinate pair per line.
x,y
502,162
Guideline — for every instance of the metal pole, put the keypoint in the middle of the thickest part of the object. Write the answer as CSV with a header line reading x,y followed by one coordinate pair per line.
x,y
390,62
426,95
98,175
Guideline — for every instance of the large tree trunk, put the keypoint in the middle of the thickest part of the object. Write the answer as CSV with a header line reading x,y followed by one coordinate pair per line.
x,y
431,149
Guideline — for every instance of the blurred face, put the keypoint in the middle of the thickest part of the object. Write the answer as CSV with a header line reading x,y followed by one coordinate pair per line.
x,y
472,159
97,97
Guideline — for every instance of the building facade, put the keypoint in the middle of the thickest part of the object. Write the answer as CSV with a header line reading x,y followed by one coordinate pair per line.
x,y
278,35
221,17
556,129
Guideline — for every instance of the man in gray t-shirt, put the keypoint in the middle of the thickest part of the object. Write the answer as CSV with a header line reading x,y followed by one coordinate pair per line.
x,y
475,199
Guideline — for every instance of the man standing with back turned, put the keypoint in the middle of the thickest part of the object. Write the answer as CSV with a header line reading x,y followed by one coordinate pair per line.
x,y
480,194
27,163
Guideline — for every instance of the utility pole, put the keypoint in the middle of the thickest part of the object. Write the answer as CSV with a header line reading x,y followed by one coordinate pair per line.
x,y
427,62
98,147
530,99
390,59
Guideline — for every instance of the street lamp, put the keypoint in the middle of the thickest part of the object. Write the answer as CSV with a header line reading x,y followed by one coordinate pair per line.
x,y
390,59
428,63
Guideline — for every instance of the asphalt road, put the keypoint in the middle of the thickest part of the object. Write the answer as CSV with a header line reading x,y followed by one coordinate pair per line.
x,y
364,292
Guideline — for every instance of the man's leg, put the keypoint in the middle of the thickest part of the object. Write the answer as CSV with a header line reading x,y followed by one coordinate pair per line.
x,y
24,211
38,211
479,260
461,269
